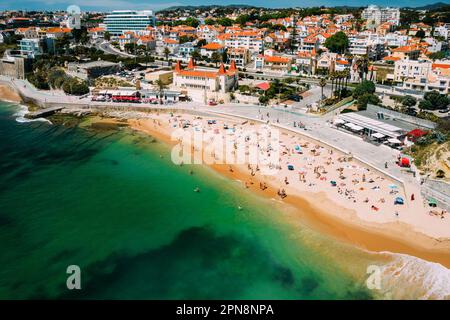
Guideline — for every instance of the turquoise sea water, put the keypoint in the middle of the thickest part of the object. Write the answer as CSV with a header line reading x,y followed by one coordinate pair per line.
x,y
112,203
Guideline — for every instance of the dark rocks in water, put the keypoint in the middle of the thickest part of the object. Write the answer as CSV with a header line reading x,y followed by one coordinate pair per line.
x,y
108,125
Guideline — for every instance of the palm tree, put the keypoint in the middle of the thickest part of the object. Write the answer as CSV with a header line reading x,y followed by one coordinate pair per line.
x,y
196,55
322,84
166,53
160,86
333,78
215,57
363,67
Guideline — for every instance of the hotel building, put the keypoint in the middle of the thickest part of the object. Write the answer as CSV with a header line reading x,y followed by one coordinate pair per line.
x,y
128,20
380,15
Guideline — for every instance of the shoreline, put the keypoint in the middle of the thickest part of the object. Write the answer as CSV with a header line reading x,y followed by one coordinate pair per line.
x,y
344,224
315,209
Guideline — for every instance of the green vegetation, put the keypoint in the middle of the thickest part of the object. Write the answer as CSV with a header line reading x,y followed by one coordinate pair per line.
x,y
337,43
364,93
433,100
191,22
111,82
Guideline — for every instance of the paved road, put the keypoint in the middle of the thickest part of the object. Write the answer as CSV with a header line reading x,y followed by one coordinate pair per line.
x,y
106,47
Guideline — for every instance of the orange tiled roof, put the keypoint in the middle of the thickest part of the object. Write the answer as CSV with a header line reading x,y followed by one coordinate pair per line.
x,y
440,65
405,49
391,58
276,59
198,73
212,46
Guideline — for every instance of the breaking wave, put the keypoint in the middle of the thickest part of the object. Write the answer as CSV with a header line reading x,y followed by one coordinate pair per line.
x,y
22,112
408,277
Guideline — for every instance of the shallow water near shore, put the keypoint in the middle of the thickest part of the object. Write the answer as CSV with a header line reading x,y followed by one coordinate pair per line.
x,y
112,202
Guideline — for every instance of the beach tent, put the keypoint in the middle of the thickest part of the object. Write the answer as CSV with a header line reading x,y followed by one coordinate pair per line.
x,y
399,200
432,202
404,162
378,135
338,121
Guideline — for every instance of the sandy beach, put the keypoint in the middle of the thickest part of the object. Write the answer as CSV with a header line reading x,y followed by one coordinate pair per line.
x,y
358,209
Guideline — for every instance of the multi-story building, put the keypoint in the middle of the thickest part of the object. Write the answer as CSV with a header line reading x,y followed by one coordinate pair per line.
x,y
30,47
241,56
361,45
128,20
271,62
204,84
379,15
423,75
250,40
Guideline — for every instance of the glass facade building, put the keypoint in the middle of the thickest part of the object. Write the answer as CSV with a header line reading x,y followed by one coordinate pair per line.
x,y
128,20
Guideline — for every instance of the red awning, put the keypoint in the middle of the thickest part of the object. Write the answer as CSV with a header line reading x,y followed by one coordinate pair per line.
x,y
417,133
263,86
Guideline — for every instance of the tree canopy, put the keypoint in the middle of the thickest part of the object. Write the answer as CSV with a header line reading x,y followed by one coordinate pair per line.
x,y
337,43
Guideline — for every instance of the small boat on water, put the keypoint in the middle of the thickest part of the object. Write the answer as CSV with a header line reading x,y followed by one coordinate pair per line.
x,y
196,189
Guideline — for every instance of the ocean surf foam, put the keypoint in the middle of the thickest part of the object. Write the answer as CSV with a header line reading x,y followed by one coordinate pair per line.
x,y
408,277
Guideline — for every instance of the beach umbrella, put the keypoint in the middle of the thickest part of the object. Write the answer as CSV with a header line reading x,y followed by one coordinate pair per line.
x,y
393,186
333,183
432,202
399,200
290,167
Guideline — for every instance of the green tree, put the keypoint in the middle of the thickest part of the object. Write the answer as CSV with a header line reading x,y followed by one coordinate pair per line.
x,y
322,84
226,22
363,88
216,57
210,22
365,99
75,86
409,101
196,55
420,34
107,36
166,53
160,86
337,43
425,105
437,100
263,99
243,19
201,43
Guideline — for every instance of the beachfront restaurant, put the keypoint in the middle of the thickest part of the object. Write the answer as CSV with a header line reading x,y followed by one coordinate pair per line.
x,y
149,96
374,129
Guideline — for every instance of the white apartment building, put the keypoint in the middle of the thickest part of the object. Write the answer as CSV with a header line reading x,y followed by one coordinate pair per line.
x,y
379,15
362,44
423,75
249,40
442,31
128,20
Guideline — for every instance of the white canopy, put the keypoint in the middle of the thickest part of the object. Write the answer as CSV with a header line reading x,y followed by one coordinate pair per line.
x,y
394,141
349,125
338,121
378,135
357,128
